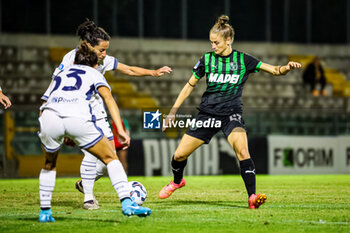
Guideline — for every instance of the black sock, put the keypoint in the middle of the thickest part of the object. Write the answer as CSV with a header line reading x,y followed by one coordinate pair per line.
x,y
248,175
178,169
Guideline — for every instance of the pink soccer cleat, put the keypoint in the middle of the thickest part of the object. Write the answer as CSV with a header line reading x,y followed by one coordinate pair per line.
x,y
255,201
79,186
170,188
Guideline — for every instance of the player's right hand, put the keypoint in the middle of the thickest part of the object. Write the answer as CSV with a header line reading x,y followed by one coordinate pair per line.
x,y
124,139
161,71
168,121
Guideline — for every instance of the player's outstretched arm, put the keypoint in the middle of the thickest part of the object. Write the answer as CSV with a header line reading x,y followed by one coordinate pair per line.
x,y
138,71
4,100
185,92
114,111
280,70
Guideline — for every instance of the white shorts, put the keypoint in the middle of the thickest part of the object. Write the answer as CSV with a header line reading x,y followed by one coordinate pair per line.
x,y
54,128
106,128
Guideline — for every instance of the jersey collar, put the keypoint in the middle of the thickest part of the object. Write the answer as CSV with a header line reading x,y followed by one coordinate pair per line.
x,y
216,55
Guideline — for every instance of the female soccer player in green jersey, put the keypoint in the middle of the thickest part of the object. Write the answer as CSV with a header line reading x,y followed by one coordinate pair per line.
x,y
226,70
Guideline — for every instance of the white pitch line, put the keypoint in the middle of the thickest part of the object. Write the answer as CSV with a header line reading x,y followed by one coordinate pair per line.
x,y
320,222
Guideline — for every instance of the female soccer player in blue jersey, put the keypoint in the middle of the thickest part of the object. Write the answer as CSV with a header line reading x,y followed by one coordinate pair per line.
x,y
226,70
98,39
67,112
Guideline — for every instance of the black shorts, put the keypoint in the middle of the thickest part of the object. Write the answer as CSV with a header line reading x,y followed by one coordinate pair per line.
x,y
228,123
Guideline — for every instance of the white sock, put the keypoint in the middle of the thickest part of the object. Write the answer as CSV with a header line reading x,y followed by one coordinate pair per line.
x,y
118,179
47,180
100,169
88,175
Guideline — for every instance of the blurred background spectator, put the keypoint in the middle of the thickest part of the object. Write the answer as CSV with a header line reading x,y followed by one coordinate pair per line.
x,y
313,75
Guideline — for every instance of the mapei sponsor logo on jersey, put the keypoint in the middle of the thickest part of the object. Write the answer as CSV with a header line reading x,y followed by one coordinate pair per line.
x,y
59,100
303,157
223,78
151,120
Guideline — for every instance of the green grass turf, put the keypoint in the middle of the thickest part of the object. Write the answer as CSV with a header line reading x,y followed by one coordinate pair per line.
x,y
312,203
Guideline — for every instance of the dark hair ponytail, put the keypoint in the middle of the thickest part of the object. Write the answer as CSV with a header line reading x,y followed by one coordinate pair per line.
x,y
85,55
89,32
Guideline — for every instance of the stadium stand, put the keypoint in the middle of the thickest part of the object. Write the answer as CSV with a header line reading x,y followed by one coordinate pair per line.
x,y
273,105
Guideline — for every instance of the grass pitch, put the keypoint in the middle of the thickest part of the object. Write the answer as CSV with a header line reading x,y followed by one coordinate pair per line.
x,y
312,203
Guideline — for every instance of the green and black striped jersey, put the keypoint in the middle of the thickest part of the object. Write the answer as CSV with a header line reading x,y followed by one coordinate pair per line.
x,y
226,76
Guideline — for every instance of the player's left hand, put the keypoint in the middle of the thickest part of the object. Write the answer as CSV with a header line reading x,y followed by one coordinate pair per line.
x,y
292,65
161,71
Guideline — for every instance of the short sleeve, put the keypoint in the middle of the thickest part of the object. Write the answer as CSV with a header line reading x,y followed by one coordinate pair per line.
x,y
46,94
199,69
100,80
110,63
67,61
252,64
48,91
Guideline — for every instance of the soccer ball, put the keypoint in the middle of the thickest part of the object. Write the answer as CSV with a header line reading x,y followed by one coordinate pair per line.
x,y
138,192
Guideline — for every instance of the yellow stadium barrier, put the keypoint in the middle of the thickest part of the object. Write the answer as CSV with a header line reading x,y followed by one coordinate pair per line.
x,y
56,54
67,165
346,91
137,102
9,134
128,96
30,165
337,80
121,88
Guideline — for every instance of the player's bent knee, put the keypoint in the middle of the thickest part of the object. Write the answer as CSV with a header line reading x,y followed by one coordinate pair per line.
x,y
180,156
243,154
106,159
